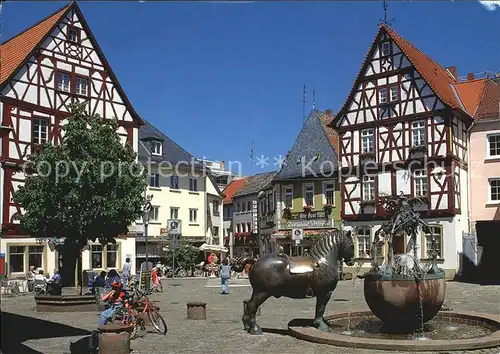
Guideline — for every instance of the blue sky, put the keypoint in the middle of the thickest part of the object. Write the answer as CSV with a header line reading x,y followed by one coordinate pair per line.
x,y
215,76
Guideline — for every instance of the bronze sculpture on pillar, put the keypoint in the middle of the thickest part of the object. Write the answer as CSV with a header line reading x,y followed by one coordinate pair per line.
x,y
276,275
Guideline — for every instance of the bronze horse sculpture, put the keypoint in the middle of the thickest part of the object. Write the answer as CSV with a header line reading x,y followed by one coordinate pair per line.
x,y
276,275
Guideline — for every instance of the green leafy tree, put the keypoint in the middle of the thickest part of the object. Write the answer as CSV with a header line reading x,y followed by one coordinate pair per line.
x,y
186,256
89,187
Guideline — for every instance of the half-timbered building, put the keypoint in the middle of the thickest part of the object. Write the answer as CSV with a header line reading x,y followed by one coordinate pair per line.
x,y
403,129
44,69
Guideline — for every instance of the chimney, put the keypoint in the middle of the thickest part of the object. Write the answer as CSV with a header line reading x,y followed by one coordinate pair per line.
x,y
452,70
329,112
222,165
470,76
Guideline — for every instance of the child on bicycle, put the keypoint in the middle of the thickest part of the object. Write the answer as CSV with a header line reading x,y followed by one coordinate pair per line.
x,y
116,298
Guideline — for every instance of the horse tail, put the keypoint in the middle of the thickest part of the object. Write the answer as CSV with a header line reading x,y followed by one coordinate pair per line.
x,y
242,261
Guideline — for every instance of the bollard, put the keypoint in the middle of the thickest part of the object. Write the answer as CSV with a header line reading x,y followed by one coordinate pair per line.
x,y
245,303
114,339
197,310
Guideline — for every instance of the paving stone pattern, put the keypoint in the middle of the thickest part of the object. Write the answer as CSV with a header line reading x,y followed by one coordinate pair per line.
x,y
223,332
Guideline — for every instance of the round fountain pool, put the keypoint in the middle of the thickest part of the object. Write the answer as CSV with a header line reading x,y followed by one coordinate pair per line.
x,y
447,331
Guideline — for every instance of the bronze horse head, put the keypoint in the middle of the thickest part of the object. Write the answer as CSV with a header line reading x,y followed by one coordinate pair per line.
x,y
277,275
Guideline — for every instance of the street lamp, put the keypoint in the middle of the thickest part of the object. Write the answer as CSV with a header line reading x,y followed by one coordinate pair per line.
x,y
146,210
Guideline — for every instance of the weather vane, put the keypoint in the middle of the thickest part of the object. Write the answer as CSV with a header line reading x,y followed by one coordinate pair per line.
x,y
384,20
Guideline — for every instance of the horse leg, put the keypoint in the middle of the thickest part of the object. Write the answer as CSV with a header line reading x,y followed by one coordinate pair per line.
x,y
321,302
253,304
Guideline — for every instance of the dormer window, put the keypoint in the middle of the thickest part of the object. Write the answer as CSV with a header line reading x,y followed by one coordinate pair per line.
x,y
386,49
156,147
73,34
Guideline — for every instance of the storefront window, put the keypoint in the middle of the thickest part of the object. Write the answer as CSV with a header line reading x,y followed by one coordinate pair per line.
x,y
96,256
35,256
112,255
16,259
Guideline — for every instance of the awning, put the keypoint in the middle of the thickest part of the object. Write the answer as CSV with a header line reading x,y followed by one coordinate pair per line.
x,y
212,248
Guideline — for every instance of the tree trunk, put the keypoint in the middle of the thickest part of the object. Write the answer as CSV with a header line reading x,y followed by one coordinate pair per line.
x,y
70,254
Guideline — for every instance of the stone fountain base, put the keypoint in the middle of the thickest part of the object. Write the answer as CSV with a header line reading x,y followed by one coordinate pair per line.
x,y
303,329
395,299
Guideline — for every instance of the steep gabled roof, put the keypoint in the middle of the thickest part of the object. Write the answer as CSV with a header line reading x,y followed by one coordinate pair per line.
x,y
172,152
232,188
255,184
439,80
471,92
15,52
314,150
481,97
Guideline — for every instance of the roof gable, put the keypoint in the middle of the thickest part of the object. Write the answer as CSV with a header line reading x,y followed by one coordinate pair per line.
x,y
437,78
16,52
471,93
307,158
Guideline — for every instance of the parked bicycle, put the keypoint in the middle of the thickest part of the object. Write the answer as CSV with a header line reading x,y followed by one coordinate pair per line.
x,y
179,272
136,308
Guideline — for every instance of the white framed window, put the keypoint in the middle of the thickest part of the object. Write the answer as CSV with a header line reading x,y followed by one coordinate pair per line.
x,y
156,147
329,192
105,257
174,182
367,141
437,232
174,213
386,49
73,34
288,193
308,189
97,256
154,180
63,82
154,215
40,129
493,145
382,95
420,182
112,255
21,257
418,133
193,184
494,190
364,242
193,215
81,86
368,188
394,93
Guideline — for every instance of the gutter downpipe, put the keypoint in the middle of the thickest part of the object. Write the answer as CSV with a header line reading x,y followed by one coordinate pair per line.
x,y
469,179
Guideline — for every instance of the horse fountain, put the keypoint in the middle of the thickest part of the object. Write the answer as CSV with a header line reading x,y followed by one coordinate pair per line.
x,y
277,275
405,296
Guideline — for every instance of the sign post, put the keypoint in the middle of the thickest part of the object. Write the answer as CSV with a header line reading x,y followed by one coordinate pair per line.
x,y
297,236
174,230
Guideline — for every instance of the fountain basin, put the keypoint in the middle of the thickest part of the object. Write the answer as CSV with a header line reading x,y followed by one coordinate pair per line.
x,y
475,331
395,299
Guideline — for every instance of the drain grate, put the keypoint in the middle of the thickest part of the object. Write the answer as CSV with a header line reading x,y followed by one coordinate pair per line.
x,y
175,285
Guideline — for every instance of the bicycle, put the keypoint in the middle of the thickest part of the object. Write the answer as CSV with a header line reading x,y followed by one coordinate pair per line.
x,y
134,312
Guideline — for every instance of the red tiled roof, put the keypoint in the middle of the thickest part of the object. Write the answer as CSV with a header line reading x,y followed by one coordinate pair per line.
x,y
434,74
232,188
471,93
332,135
437,77
17,49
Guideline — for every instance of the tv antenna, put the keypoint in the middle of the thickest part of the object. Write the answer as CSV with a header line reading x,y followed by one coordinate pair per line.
x,y
252,154
304,104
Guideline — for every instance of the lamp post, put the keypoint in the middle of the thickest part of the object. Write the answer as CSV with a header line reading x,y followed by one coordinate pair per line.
x,y
145,218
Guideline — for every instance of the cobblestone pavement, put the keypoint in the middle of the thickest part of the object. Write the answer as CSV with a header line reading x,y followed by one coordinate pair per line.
x,y
222,332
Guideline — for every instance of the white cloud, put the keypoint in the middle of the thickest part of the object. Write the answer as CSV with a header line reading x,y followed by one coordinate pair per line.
x,y
490,5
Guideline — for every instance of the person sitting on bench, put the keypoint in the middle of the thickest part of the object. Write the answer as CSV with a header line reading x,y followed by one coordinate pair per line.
x,y
54,284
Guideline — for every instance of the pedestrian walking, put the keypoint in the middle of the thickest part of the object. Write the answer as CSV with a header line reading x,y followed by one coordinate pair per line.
x,y
225,275
126,272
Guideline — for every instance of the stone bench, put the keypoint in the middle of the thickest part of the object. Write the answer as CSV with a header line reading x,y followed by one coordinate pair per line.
x,y
114,338
66,303
196,310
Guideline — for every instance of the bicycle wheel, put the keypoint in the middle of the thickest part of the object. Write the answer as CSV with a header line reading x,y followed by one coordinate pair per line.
x,y
157,320
182,273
